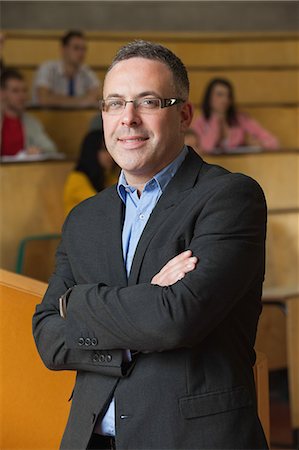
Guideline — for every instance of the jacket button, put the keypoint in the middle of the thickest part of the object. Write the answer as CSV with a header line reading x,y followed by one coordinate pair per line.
x,y
95,357
102,358
81,341
87,342
108,358
94,341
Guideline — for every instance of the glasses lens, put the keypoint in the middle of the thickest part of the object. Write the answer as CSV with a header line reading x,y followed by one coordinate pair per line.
x,y
117,105
113,105
148,104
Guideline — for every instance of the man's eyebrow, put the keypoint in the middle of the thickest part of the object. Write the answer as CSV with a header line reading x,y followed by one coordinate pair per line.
x,y
114,96
142,94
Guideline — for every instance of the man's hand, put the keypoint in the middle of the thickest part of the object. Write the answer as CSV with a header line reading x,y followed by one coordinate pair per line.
x,y
175,269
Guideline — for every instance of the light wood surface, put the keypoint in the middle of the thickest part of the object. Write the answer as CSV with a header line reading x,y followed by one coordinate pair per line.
x,y
34,400
31,203
277,173
261,376
271,337
196,49
67,128
282,250
251,86
21,283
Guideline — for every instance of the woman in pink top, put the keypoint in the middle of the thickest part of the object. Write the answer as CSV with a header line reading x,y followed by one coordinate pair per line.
x,y
222,127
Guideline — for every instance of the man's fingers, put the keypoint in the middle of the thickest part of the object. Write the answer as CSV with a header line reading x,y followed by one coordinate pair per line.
x,y
175,269
177,259
184,266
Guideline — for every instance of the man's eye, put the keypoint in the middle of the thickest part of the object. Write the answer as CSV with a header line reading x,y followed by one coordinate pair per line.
x,y
114,104
150,103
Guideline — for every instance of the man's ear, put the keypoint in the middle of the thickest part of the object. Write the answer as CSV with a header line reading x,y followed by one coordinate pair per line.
x,y
187,111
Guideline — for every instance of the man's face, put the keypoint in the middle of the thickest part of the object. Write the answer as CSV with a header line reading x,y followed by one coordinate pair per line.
x,y
14,95
75,51
142,144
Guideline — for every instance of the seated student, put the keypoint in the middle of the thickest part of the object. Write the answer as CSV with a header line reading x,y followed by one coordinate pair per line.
x,y
221,126
19,130
94,171
67,82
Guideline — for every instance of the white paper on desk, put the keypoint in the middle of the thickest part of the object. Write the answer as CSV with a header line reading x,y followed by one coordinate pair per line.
x,y
22,156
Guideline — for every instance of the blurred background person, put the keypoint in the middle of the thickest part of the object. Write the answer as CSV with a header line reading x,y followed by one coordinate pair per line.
x,y
67,82
222,126
19,130
94,171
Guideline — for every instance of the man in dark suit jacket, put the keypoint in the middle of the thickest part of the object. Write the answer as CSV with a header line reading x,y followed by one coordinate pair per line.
x,y
156,294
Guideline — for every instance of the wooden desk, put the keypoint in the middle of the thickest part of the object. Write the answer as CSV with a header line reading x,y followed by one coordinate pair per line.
x,y
31,200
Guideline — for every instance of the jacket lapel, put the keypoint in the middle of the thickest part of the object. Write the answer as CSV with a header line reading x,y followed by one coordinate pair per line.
x,y
114,252
176,191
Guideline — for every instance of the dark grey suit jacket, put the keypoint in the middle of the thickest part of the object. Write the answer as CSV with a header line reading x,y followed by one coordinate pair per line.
x,y
190,384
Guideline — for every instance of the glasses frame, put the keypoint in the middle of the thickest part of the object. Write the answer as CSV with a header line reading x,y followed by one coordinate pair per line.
x,y
164,103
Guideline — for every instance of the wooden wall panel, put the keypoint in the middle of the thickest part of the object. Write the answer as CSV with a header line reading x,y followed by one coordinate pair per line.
x,y
277,173
271,337
282,121
31,203
282,251
197,51
251,87
67,128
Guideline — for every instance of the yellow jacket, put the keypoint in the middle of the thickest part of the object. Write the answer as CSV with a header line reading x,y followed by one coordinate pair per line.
x,y
76,189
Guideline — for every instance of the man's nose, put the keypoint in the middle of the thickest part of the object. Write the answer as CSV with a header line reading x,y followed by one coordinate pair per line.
x,y
130,116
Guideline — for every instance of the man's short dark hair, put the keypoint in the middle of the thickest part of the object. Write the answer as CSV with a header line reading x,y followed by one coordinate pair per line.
x,y
156,52
10,74
66,38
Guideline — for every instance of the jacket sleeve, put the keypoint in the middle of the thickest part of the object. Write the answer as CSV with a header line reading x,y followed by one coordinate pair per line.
x,y
49,330
228,238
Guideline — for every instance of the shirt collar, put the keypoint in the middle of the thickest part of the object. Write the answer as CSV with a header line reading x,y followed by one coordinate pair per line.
x,y
161,179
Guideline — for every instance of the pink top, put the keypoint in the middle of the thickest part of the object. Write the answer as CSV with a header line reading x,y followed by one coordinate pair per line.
x,y
208,132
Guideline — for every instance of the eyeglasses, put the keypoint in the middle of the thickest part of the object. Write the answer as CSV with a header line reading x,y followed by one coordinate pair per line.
x,y
143,105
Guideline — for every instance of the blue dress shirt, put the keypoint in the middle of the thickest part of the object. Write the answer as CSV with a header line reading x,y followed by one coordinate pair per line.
x,y
138,211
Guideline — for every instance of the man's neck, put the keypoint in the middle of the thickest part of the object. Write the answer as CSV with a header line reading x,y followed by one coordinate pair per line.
x,y
138,186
